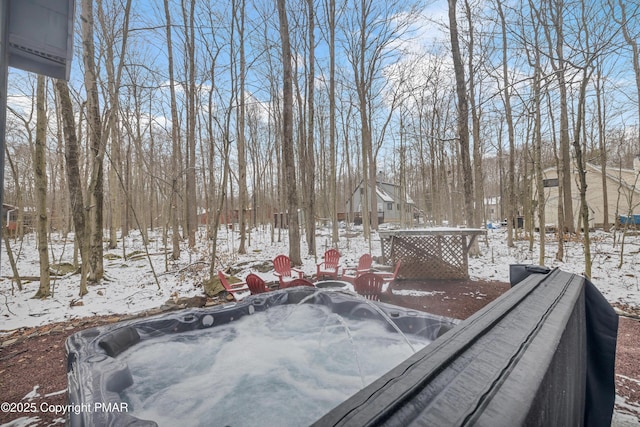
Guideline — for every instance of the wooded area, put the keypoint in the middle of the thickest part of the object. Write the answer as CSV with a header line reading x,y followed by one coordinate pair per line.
x,y
184,115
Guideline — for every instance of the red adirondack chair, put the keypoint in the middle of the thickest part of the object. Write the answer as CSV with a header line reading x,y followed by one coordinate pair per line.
x,y
256,284
232,288
388,276
330,265
369,285
364,266
283,270
297,282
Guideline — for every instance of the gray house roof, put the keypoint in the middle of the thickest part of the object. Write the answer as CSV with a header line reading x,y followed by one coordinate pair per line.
x,y
386,194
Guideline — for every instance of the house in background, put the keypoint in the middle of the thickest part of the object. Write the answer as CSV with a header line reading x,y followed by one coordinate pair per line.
x,y
492,209
623,191
393,204
10,218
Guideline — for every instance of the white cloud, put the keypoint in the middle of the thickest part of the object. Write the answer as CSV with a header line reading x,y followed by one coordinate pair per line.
x,y
21,103
428,29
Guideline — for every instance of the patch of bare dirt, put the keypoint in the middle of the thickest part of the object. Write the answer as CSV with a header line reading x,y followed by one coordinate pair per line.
x,y
627,366
457,299
33,360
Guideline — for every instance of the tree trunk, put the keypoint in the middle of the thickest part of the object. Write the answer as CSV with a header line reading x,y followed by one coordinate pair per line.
x,y
310,166
242,156
175,165
537,141
40,172
511,184
212,208
97,146
18,191
287,134
582,173
559,66
331,16
76,202
112,127
59,210
368,183
191,206
222,195
602,146
12,260
463,114
477,143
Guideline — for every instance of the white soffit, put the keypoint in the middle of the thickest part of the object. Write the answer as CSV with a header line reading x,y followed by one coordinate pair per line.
x,y
41,36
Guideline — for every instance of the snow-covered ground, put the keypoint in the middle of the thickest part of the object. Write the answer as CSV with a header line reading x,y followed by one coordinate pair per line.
x,y
130,285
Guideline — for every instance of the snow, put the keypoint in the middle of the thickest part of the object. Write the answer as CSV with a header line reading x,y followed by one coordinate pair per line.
x,y
130,286
32,394
24,422
624,416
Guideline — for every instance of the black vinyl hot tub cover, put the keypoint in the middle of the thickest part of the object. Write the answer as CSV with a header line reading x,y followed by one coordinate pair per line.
x,y
542,354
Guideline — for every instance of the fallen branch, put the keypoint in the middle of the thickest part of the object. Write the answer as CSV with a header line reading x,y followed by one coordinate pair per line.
x,y
10,356
6,303
144,255
30,278
191,265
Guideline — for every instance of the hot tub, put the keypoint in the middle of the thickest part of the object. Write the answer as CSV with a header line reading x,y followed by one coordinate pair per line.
x,y
204,366
541,354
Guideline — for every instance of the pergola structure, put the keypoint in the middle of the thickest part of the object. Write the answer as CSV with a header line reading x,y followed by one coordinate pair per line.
x,y
436,253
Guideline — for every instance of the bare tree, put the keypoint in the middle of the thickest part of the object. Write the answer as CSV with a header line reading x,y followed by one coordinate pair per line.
x,y
213,209
175,165
602,142
97,144
310,164
463,113
287,137
240,130
476,114
40,171
535,62
582,174
595,37
371,28
59,205
74,181
224,154
506,89
14,168
558,62
114,77
191,205
331,16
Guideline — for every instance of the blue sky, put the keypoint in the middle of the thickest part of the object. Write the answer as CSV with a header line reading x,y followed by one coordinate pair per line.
x,y
428,38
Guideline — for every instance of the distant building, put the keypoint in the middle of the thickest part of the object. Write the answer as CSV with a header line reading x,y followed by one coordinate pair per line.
x,y
623,190
9,213
227,216
391,203
492,209
10,219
